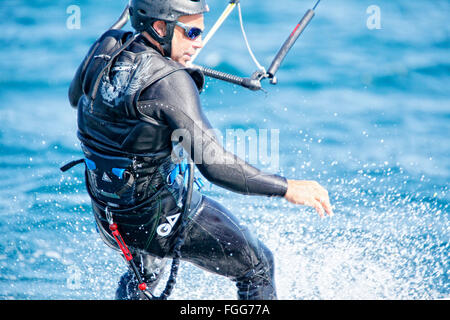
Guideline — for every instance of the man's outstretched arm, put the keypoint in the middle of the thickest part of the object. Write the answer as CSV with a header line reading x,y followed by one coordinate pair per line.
x,y
178,102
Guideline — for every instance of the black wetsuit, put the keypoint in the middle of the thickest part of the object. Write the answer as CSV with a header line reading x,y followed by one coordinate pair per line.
x,y
131,101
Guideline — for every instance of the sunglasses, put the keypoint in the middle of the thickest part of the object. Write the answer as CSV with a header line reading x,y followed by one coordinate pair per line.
x,y
190,32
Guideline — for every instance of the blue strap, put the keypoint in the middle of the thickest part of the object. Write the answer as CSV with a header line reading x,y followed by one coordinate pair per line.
x,y
199,183
90,164
174,174
183,165
180,168
118,172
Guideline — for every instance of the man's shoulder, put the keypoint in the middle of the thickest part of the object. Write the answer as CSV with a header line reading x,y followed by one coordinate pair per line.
x,y
119,35
197,76
167,75
179,81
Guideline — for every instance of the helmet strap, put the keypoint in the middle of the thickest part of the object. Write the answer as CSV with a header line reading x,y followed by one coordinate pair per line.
x,y
165,41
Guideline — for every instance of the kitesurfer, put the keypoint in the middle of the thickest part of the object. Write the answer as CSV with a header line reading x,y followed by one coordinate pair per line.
x,y
138,101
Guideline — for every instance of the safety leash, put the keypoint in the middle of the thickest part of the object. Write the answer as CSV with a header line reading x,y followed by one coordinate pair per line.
x,y
127,254
142,286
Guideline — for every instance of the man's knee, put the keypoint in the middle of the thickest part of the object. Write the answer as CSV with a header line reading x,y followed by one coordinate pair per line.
x,y
259,282
269,259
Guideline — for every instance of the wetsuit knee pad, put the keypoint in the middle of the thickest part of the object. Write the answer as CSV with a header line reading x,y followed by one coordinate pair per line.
x,y
259,282
268,259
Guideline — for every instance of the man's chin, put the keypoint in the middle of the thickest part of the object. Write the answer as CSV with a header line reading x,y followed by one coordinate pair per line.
x,y
185,60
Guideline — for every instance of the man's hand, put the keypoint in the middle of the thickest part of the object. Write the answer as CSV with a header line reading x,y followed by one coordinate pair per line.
x,y
309,193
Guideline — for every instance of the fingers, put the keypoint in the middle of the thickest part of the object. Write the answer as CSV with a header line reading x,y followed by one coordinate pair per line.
x,y
325,203
316,204
323,199
312,202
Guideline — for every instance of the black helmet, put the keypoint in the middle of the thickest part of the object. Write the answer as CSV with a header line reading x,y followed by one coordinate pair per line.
x,y
144,12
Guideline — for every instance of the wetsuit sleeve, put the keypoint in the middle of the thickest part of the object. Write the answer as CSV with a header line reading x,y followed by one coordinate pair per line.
x,y
177,102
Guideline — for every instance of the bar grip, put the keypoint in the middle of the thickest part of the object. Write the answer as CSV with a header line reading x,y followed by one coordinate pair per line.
x,y
287,45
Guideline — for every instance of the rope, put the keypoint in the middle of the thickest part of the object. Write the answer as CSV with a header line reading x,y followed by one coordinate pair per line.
x,y
261,68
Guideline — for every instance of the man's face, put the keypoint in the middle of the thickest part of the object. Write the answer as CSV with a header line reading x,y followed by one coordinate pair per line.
x,y
184,48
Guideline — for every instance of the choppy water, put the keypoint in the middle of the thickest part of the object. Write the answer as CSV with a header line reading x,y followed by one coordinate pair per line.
x,y
364,112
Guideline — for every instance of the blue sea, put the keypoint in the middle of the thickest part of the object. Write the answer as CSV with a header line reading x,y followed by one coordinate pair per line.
x,y
362,106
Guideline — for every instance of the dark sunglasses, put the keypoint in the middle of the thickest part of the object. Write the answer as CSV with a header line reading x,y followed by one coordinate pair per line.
x,y
190,32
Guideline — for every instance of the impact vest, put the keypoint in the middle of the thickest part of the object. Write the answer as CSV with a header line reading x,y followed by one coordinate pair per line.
x,y
127,159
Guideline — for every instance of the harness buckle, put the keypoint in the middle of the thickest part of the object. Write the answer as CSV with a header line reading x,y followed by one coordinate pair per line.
x,y
103,56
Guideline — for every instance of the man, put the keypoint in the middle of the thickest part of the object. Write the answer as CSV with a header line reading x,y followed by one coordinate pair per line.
x,y
135,93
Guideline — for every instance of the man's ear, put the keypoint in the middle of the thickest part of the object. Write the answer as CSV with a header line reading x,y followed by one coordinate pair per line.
x,y
160,27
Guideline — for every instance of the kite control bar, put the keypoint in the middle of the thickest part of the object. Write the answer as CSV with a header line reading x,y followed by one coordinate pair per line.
x,y
289,43
254,81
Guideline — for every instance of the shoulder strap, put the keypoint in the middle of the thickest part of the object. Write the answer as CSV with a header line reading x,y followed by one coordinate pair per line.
x,y
110,60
